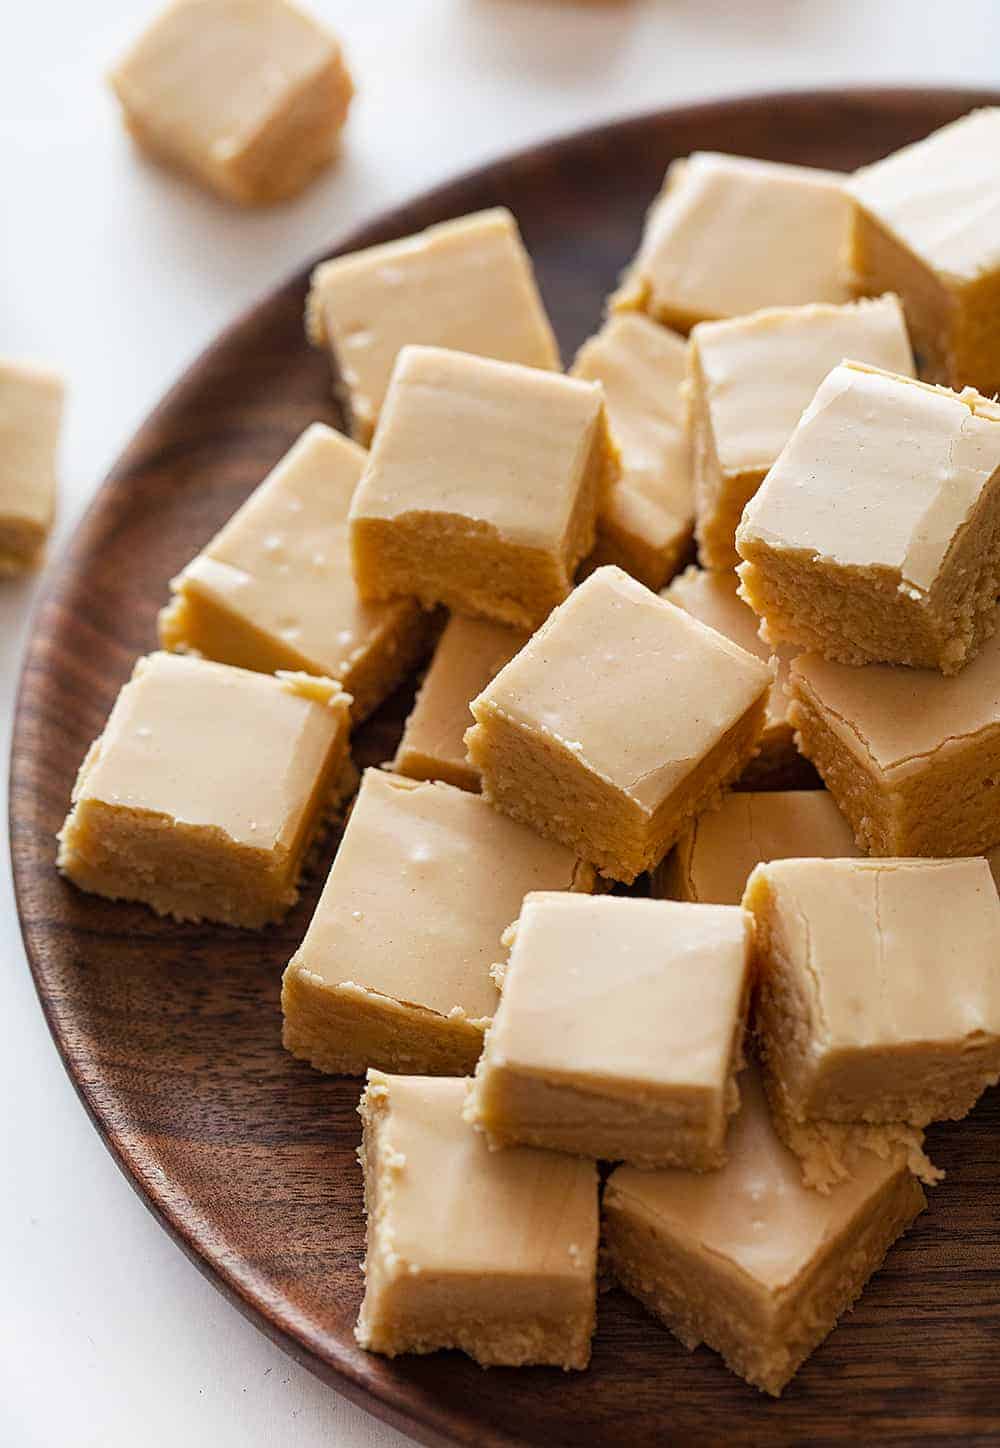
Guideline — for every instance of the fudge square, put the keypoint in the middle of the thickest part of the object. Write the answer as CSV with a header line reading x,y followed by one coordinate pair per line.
x,y
467,284
879,993
206,789
274,589
748,1260
911,757
750,380
780,244
716,853
619,1030
713,598
470,652
616,723
482,486
646,520
876,536
31,403
493,1253
926,225
394,970
246,96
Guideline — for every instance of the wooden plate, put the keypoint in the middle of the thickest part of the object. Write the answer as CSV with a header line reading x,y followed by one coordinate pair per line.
x,y
171,1033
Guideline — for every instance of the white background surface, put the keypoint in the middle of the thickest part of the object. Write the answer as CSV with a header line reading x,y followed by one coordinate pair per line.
x,y
118,275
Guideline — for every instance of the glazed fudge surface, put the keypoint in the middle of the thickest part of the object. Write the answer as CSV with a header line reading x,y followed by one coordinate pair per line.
x,y
876,536
31,405
394,970
616,723
467,284
747,1259
493,1253
274,589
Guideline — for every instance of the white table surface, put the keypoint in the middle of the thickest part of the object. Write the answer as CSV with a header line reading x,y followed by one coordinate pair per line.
x,y
118,275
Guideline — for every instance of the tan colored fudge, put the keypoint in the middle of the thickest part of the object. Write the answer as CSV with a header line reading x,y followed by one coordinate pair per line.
x,y
31,404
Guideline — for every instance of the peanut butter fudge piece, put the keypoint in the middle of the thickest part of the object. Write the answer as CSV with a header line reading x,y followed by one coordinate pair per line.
x,y
470,652
619,1031
493,1253
879,995
747,1259
205,790
713,598
876,536
31,403
274,589
714,857
247,96
482,486
645,523
750,380
616,723
729,235
927,225
911,757
394,970
466,284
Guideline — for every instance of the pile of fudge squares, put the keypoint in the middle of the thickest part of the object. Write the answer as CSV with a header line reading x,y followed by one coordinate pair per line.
x,y
599,908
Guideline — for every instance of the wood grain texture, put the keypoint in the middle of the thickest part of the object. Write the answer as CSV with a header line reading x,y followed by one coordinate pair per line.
x,y
171,1033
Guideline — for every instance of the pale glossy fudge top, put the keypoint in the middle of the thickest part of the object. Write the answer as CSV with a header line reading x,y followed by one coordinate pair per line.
x,y
941,196
208,745
470,652
448,1205
491,442
729,235
632,991
632,685
212,73
716,854
900,718
754,1212
891,951
465,284
641,366
426,880
31,402
882,471
711,596
283,561
760,372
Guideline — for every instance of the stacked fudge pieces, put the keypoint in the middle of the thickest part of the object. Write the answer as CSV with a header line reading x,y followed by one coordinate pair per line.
x,y
599,908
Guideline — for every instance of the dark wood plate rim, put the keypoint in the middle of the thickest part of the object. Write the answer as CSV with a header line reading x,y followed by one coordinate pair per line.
x,y
392,1402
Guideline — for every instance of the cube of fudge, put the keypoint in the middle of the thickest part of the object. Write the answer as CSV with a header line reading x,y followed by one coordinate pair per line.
x,y
876,536
748,1260
751,378
713,598
911,757
470,653
246,96
466,284
206,789
619,1030
492,1253
714,857
780,243
619,721
645,523
925,226
482,486
31,403
394,970
274,589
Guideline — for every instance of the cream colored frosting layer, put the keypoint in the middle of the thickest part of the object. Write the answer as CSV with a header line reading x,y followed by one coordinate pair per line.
x,y
882,471
941,196
31,403
631,684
